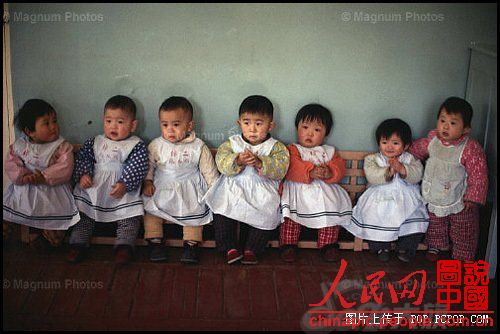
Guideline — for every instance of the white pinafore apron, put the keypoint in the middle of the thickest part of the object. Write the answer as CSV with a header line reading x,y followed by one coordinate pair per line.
x,y
445,179
179,185
247,197
41,206
385,212
95,201
317,204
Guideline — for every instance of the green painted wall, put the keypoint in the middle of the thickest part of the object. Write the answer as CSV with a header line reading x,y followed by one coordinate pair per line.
x,y
366,62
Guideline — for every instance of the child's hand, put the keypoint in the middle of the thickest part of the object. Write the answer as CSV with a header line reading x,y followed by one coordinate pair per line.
x,y
118,190
397,166
469,206
254,161
38,177
86,181
28,178
242,158
34,178
149,188
321,172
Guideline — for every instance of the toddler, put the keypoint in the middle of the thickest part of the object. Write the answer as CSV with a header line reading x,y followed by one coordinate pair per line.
x,y
311,196
252,165
39,166
181,168
109,171
391,208
455,181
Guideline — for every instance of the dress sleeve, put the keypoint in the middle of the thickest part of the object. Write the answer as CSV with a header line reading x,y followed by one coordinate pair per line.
x,y
474,161
299,169
135,167
84,161
14,167
208,168
226,160
337,167
275,165
414,171
373,172
60,166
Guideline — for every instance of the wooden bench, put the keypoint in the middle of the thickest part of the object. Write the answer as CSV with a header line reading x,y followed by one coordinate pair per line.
x,y
354,182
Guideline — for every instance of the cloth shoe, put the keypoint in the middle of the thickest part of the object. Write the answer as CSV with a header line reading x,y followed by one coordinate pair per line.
x,y
77,253
288,253
249,257
190,254
330,253
403,256
432,255
123,254
383,255
158,252
233,255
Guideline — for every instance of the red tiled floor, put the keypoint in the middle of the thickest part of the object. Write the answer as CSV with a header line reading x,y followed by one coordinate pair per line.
x,y
98,295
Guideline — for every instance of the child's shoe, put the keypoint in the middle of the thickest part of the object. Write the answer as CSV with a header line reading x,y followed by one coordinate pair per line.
x,y
190,254
288,253
330,253
249,257
40,244
157,252
403,256
233,255
383,255
123,254
77,253
432,255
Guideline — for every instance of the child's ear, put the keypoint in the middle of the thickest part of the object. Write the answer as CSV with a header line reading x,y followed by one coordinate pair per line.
x,y
134,125
190,126
406,147
467,130
271,126
27,132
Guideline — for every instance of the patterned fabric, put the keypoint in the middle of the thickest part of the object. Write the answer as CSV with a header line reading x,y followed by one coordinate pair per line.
x,y
134,168
126,231
290,234
274,166
473,159
462,229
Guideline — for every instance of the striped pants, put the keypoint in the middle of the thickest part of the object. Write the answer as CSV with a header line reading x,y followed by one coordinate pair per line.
x,y
226,235
290,234
461,228
126,231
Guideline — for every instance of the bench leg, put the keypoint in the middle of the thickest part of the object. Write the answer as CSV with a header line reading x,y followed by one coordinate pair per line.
x,y
358,244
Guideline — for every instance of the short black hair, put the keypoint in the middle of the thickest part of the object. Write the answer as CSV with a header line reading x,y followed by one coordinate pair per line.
x,y
315,112
30,111
256,104
394,126
121,102
455,105
176,102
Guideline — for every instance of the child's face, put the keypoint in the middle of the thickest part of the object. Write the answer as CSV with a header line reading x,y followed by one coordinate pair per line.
x,y
450,126
391,147
255,127
311,133
175,124
118,124
46,129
